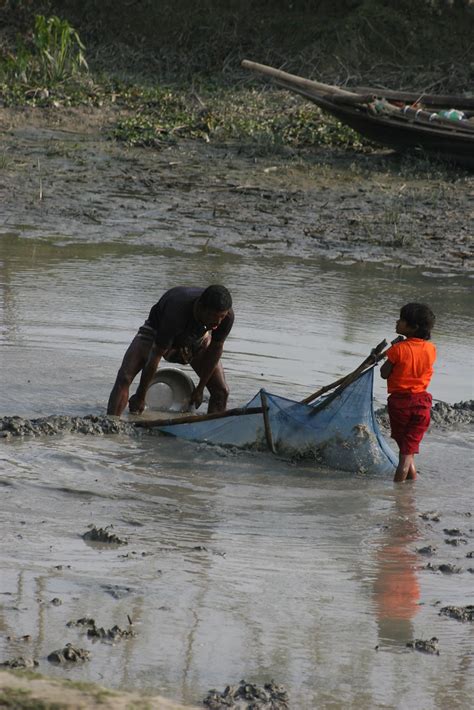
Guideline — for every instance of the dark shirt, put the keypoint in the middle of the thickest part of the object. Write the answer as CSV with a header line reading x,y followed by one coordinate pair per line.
x,y
174,324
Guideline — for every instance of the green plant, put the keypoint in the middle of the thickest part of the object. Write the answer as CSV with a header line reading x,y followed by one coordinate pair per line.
x,y
60,49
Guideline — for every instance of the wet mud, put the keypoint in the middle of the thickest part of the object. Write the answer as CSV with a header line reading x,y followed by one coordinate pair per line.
x,y
425,646
32,691
248,696
63,172
59,424
20,662
69,654
461,613
103,535
186,504
94,631
444,416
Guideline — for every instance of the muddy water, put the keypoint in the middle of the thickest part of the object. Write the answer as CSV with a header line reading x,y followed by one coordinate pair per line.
x,y
237,565
70,310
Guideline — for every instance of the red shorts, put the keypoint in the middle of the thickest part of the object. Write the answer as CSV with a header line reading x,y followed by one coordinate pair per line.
x,y
410,415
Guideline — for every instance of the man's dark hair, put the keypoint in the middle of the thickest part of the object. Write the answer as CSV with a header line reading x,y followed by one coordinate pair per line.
x,y
419,316
216,298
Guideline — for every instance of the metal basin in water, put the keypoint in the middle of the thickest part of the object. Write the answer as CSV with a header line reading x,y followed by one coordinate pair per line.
x,y
170,391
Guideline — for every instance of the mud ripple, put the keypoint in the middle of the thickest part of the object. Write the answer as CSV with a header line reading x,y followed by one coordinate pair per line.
x,y
58,424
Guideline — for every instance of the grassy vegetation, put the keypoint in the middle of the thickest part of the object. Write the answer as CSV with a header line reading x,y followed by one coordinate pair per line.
x,y
19,699
52,71
173,68
270,120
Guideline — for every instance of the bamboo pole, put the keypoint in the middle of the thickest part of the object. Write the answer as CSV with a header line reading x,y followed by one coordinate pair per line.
x,y
368,361
292,79
196,418
266,422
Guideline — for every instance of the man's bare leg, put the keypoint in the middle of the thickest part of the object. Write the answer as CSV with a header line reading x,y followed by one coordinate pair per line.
x,y
133,361
216,385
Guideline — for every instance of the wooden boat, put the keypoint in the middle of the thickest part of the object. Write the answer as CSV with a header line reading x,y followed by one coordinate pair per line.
x,y
335,426
440,126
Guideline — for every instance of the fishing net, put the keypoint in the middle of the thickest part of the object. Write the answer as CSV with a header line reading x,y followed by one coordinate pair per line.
x,y
338,431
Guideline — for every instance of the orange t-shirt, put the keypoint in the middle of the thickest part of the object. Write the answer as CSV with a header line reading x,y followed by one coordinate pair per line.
x,y
412,361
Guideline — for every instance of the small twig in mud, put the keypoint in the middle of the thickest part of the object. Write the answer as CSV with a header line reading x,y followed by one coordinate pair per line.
x,y
92,218
40,181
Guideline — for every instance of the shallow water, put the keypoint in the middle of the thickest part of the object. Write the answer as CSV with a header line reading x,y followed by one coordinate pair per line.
x,y
238,565
69,311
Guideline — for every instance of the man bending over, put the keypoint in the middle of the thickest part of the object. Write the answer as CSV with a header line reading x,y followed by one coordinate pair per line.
x,y
188,325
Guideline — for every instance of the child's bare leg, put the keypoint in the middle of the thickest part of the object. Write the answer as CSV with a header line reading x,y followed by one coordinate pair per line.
x,y
405,467
412,470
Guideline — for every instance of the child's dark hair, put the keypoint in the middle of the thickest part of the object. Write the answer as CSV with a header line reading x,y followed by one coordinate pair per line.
x,y
216,298
419,316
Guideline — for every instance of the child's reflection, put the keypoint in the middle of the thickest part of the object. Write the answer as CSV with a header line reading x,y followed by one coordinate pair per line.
x,y
396,588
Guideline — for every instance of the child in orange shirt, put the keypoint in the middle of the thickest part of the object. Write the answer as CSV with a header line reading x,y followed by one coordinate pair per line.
x,y
408,370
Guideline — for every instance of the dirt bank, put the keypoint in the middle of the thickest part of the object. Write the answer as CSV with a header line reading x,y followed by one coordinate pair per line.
x,y
61,175
30,690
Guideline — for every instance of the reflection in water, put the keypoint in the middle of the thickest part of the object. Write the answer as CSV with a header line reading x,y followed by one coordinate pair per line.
x,y
396,587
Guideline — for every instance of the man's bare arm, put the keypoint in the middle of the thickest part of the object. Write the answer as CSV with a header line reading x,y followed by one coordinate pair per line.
x,y
137,401
214,353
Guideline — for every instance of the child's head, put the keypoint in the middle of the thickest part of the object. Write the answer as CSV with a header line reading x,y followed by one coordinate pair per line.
x,y
420,317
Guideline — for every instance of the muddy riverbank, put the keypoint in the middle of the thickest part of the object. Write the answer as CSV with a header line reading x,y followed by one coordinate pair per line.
x,y
32,691
60,170
236,564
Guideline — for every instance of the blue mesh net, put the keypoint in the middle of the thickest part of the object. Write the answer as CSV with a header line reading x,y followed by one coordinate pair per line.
x,y
340,432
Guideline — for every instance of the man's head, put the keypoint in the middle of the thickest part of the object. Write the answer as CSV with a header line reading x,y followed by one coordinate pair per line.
x,y
213,305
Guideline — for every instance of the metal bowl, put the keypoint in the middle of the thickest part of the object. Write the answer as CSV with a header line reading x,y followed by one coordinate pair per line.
x,y
170,391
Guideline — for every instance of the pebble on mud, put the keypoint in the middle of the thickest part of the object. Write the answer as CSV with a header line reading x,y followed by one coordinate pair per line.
x,y
425,646
248,696
69,654
461,613
20,662
103,535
